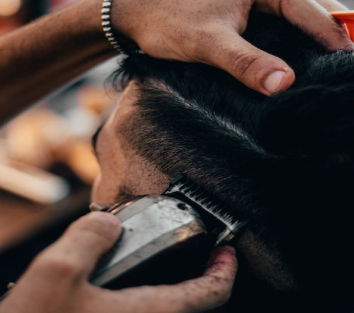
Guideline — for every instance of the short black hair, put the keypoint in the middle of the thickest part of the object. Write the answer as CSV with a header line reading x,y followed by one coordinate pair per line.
x,y
285,162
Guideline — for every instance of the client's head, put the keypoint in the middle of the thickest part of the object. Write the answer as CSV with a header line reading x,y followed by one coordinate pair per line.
x,y
286,162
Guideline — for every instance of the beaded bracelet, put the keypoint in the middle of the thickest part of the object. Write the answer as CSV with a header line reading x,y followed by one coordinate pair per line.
x,y
107,25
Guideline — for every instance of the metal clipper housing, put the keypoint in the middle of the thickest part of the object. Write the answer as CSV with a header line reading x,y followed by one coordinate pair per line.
x,y
169,231
153,225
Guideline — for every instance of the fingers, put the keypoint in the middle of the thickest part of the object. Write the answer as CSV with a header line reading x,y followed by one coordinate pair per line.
x,y
253,67
313,18
75,254
212,289
197,295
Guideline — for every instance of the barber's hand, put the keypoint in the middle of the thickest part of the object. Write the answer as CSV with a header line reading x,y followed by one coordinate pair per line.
x,y
57,281
209,31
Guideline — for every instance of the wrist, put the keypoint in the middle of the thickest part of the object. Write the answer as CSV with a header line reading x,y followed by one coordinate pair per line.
x,y
89,26
125,23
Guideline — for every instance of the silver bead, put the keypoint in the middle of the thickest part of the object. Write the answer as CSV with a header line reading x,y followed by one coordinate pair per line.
x,y
106,24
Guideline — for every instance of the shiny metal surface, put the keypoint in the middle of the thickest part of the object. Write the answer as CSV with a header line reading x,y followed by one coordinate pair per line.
x,y
151,224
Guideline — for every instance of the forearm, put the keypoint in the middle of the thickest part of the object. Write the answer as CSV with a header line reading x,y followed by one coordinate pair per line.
x,y
42,56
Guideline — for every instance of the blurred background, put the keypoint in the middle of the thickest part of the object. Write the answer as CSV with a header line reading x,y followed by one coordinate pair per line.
x,y
348,3
46,162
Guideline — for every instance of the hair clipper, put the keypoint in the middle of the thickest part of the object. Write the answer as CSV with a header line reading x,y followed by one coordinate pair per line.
x,y
165,236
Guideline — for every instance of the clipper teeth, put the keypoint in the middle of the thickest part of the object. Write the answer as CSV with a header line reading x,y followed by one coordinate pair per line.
x,y
197,195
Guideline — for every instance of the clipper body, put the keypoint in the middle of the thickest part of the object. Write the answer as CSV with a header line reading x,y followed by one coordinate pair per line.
x,y
153,225
165,236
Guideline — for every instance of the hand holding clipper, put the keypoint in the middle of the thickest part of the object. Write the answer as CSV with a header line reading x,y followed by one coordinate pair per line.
x,y
165,236
57,281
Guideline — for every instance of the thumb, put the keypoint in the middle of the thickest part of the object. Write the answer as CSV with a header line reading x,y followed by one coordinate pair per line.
x,y
77,251
253,67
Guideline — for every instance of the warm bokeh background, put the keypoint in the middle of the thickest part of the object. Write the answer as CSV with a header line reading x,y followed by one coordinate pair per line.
x,y
46,161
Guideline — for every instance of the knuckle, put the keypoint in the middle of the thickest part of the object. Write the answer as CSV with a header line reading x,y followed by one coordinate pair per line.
x,y
242,64
224,296
59,268
98,231
200,44
204,35
281,4
219,289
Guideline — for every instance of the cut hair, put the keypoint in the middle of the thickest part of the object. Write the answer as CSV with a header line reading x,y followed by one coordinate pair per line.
x,y
285,161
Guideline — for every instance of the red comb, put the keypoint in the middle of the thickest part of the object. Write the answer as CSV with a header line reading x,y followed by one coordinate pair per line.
x,y
347,19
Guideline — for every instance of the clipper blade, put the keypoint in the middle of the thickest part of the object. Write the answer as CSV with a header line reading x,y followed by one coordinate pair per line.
x,y
221,225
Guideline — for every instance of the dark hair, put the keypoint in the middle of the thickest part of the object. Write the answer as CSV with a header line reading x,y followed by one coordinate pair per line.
x,y
285,162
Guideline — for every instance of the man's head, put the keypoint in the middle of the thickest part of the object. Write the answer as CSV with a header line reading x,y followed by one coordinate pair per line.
x,y
285,162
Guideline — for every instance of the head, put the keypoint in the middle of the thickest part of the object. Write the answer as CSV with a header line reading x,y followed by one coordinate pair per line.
x,y
285,162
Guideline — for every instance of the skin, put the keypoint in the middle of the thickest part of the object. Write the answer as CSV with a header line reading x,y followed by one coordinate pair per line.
x,y
118,163
63,269
71,41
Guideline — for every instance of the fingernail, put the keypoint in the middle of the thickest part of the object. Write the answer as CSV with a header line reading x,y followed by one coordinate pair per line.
x,y
105,217
229,250
274,81
222,250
